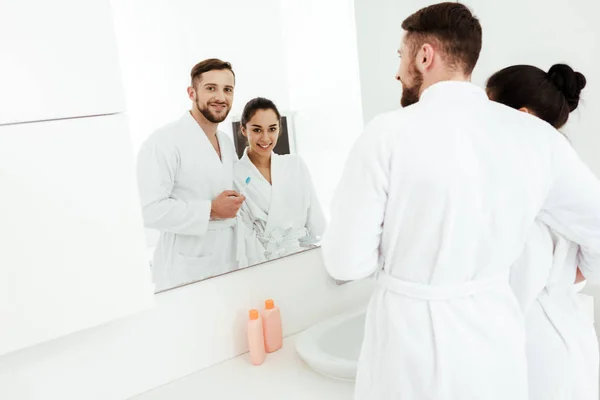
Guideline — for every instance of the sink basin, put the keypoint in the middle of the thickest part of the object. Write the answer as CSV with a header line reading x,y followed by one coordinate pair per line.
x,y
332,347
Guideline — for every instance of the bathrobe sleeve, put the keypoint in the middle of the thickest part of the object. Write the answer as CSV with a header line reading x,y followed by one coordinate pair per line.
x,y
315,221
572,207
157,166
351,246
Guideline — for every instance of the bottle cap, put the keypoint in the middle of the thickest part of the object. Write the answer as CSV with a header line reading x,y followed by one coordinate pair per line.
x,y
269,304
253,314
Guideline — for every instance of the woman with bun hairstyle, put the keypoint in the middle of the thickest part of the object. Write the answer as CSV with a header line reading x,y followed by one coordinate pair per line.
x,y
562,347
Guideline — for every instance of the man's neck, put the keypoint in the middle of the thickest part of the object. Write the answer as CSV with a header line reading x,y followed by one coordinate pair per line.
x,y
456,77
209,128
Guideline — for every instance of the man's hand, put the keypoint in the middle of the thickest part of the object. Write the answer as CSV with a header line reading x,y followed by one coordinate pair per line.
x,y
226,205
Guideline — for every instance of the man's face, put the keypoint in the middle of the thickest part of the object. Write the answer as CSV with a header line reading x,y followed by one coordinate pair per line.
x,y
213,94
409,76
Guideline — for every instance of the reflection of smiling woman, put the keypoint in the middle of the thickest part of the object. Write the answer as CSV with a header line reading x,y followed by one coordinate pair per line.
x,y
281,207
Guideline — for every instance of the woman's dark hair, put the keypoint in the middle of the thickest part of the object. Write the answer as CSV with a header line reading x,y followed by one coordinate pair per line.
x,y
258,103
550,95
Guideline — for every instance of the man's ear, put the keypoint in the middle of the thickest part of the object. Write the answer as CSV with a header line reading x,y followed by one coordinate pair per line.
x,y
425,57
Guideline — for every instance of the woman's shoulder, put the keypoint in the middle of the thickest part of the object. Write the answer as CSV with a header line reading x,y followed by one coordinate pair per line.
x,y
290,159
242,165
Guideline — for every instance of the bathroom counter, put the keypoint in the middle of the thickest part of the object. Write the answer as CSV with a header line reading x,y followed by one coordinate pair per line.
x,y
283,375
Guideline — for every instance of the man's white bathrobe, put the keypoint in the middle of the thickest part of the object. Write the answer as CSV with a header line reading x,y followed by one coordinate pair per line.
x,y
438,198
562,347
179,174
276,218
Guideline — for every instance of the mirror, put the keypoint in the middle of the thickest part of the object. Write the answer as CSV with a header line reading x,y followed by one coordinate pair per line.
x,y
217,204
216,135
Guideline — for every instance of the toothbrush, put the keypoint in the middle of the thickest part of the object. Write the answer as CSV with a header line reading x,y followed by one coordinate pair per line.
x,y
247,182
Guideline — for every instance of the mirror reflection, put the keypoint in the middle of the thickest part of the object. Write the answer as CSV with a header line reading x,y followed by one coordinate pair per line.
x,y
218,208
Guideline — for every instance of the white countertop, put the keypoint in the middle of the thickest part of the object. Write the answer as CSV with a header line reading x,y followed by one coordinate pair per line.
x,y
283,375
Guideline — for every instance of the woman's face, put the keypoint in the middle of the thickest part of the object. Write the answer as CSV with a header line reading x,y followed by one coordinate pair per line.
x,y
262,131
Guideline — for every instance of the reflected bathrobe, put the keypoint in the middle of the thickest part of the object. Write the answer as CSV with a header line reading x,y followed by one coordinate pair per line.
x,y
275,218
179,174
562,347
437,199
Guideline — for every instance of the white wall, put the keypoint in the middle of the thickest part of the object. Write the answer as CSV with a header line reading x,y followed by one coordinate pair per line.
x,y
58,59
73,245
71,227
378,31
190,329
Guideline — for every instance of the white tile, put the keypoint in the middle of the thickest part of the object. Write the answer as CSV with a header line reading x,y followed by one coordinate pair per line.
x,y
73,250
58,59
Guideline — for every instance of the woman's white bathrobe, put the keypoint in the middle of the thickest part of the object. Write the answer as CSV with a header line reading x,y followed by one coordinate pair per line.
x,y
562,347
276,218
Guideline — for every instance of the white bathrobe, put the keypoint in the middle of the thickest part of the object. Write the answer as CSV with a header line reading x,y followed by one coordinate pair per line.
x,y
276,218
438,199
562,347
179,174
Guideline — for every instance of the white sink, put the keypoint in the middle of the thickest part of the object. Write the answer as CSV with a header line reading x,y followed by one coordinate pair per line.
x,y
332,347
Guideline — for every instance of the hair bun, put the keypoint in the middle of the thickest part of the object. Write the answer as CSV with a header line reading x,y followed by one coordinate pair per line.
x,y
569,82
581,81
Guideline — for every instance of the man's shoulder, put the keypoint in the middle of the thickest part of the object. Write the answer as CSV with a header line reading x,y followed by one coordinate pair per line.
x,y
391,116
165,132
389,123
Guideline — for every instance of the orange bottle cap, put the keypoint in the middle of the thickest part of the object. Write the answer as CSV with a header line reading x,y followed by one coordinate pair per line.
x,y
269,304
253,314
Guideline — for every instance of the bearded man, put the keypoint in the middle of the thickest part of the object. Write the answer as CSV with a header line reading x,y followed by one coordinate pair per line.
x,y
185,177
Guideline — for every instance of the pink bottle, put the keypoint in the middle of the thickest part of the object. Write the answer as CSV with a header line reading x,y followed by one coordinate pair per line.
x,y
256,341
272,327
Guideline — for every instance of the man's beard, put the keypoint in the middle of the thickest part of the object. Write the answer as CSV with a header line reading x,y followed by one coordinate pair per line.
x,y
210,116
411,95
